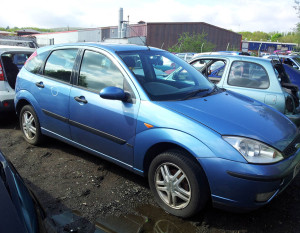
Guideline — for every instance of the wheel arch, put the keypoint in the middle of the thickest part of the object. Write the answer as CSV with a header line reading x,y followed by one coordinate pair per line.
x,y
21,103
159,148
150,143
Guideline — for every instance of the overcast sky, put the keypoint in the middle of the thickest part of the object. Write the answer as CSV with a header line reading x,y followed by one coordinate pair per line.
x,y
237,15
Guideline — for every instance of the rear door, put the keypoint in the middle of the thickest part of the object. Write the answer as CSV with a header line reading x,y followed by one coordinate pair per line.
x,y
105,126
52,90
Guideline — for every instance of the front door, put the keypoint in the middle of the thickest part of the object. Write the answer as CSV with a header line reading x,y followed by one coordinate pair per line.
x,y
106,126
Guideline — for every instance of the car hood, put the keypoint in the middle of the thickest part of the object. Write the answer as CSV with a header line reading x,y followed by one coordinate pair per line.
x,y
229,113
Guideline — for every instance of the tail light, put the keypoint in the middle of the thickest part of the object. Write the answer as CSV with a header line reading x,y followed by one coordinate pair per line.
x,y
1,73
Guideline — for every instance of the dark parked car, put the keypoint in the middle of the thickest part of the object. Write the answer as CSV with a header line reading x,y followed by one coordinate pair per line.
x,y
194,141
20,212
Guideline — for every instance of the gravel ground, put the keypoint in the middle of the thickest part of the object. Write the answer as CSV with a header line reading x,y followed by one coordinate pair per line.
x,y
83,193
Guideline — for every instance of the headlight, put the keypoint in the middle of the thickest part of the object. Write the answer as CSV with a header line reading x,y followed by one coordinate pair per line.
x,y
254,151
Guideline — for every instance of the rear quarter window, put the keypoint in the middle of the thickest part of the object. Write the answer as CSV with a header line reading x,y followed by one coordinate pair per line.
x,y
35,62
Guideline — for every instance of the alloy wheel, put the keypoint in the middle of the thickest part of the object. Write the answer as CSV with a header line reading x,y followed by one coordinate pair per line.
x,y
173,185
28,124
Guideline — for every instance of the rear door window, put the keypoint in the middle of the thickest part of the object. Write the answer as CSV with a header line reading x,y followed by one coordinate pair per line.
x,y
60,64
247,74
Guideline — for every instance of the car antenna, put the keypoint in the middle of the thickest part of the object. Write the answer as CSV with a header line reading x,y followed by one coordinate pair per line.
x,y
144,42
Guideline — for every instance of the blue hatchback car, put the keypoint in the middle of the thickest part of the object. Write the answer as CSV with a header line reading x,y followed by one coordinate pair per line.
x,y
194,141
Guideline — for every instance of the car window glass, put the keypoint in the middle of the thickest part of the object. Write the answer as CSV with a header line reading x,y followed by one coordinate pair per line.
x,y
134,63
165,76
98,71
297,59
34,65
60,64
213,69
250,75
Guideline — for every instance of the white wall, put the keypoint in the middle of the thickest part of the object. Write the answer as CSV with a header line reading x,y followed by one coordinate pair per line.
x,y
89,35
59,38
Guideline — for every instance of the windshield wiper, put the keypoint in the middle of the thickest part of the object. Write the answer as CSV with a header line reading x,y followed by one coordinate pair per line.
x,y
215,90
194,93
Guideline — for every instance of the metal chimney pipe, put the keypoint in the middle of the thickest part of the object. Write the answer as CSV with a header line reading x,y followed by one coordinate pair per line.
x,y
120,23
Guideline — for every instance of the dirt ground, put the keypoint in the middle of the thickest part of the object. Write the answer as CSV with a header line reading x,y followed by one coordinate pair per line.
x,y
85,194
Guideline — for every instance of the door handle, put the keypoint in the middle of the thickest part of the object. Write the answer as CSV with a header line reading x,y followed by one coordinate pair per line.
x,y
40,84
80,99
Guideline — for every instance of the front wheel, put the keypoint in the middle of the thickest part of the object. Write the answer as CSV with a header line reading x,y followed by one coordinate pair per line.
x,y
30,126
178,183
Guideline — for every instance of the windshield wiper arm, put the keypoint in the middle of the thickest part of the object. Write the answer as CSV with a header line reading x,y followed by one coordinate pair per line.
x,y
194,93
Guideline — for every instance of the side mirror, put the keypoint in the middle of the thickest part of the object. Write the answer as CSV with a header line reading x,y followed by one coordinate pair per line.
x,y
113,93
295,67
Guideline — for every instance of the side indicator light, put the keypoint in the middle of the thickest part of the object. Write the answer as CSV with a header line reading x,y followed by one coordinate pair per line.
x,y
148,125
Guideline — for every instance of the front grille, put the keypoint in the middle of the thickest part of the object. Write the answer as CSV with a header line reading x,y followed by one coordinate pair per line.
x,y
291,149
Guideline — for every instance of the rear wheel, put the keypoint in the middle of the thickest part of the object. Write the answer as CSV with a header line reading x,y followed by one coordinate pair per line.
x,y
30,125
179,184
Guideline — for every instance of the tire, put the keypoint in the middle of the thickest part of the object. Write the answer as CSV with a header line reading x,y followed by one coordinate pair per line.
x,y
184,198
30,125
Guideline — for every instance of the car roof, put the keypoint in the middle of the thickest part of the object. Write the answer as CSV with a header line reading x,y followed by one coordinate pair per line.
x,y
284,56
107,46
233,57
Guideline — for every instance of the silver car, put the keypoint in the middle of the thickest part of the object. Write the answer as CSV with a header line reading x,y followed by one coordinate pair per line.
x,y
258,78
12,59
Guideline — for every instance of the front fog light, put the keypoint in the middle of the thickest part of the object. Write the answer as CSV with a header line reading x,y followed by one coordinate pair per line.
x,y
263,197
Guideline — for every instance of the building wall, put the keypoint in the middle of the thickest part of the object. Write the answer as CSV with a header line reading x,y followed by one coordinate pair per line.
x,y
132,40
264,46
89,35
58,38
165,35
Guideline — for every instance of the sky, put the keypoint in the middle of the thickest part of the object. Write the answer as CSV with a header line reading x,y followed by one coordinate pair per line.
x,y
236,15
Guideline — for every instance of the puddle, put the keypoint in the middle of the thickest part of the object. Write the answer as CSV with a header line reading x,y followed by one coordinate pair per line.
x,y
148,219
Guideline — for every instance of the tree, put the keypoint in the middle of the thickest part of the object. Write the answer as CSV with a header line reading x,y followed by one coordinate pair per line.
x,y
192,43
275,37
255,36
297,29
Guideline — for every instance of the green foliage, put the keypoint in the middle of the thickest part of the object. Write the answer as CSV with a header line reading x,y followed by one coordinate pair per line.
x,y
192,43
290,37
275,37
255,36
8,29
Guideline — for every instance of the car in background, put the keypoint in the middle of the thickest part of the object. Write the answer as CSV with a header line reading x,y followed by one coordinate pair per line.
x,y
282,52
12,59
194,142
292,60
294,74
20,210
258,78
185,56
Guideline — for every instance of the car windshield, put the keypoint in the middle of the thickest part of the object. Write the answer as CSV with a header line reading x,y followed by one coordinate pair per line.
x,y
166,77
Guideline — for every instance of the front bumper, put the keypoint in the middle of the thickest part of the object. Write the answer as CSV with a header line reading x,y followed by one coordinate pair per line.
x,y
240,186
